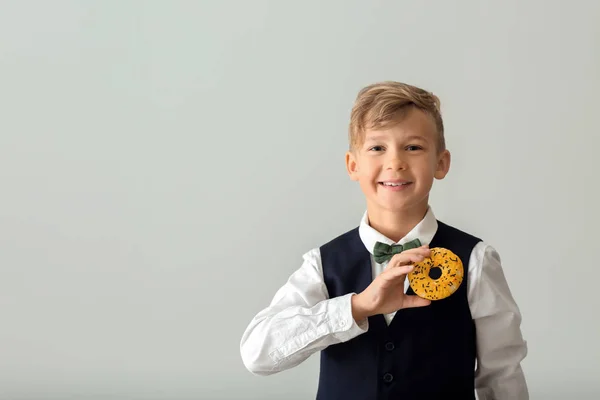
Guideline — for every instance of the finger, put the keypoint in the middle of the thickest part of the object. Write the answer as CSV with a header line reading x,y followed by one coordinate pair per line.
x,y
407,257
411,301
418,250
425,250
398,272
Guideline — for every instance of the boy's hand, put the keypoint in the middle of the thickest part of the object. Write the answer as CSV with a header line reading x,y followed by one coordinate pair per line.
x,y
386,293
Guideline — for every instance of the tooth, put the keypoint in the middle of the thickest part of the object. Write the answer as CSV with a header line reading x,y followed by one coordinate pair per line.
x,y
394,184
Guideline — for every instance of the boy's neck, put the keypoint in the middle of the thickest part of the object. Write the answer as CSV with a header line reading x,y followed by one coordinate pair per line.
x,y
395,224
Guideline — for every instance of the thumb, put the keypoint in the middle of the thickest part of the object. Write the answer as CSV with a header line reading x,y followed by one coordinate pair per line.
x,y
411,301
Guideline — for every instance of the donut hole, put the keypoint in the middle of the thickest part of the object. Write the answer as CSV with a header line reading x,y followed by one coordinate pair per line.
x,y
435,273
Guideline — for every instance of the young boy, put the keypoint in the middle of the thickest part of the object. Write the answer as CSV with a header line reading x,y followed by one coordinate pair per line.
x,y
377,339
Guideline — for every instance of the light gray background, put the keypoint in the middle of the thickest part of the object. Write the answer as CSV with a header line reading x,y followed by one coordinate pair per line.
x,y
164,165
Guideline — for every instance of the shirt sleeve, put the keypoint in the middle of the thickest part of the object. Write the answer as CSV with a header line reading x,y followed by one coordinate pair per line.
x,y
300,321
500,344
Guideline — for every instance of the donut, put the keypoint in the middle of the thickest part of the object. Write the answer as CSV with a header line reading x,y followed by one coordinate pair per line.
x,y
441,261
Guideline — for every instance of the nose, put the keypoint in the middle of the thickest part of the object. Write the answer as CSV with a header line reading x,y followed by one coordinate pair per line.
x,y
395,162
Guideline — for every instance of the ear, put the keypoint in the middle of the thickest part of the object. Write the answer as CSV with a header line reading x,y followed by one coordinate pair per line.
x,y
352,165
443,165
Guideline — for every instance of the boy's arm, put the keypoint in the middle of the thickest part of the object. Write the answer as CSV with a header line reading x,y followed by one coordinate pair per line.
x,y
300,321
500,344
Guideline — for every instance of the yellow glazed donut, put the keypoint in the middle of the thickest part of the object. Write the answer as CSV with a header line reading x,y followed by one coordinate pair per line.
x,y
441,260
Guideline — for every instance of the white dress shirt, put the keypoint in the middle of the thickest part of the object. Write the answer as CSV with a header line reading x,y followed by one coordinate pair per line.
x,y
302,319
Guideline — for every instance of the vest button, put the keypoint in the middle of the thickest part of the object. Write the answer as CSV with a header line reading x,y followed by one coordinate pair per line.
x,y
387,378
389,346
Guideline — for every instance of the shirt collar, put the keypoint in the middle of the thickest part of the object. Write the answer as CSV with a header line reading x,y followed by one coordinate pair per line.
x,y
424,231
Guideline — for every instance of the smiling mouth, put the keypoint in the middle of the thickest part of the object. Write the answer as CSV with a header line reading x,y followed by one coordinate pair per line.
x,y
394,184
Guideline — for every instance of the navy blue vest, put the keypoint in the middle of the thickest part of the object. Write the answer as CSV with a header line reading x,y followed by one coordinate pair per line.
x,y
425,353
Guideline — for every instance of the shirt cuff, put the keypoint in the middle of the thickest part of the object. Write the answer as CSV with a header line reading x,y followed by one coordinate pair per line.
x,y
513,388
342,324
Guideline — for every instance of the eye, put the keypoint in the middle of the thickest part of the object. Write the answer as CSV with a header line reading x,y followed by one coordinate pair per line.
x,y
376,148
413,147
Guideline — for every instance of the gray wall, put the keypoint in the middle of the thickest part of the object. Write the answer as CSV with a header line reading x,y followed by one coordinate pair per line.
x,y
165,164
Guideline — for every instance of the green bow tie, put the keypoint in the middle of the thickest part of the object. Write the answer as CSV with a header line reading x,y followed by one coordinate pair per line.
x,y
383,252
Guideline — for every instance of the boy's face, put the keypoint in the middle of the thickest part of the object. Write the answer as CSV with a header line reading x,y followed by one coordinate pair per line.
x,y
395,167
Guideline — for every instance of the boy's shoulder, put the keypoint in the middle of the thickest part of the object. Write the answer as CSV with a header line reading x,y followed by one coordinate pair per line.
x,y
348,237
442,226
454,231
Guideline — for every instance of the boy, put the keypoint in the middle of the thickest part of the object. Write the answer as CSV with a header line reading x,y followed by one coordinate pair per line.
x,y
378,340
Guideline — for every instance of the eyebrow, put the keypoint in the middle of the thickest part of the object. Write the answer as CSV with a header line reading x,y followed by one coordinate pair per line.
x,y
381,137
417,137
374,138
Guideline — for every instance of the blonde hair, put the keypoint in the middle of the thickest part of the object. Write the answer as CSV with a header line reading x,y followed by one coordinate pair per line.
x,y
382,104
